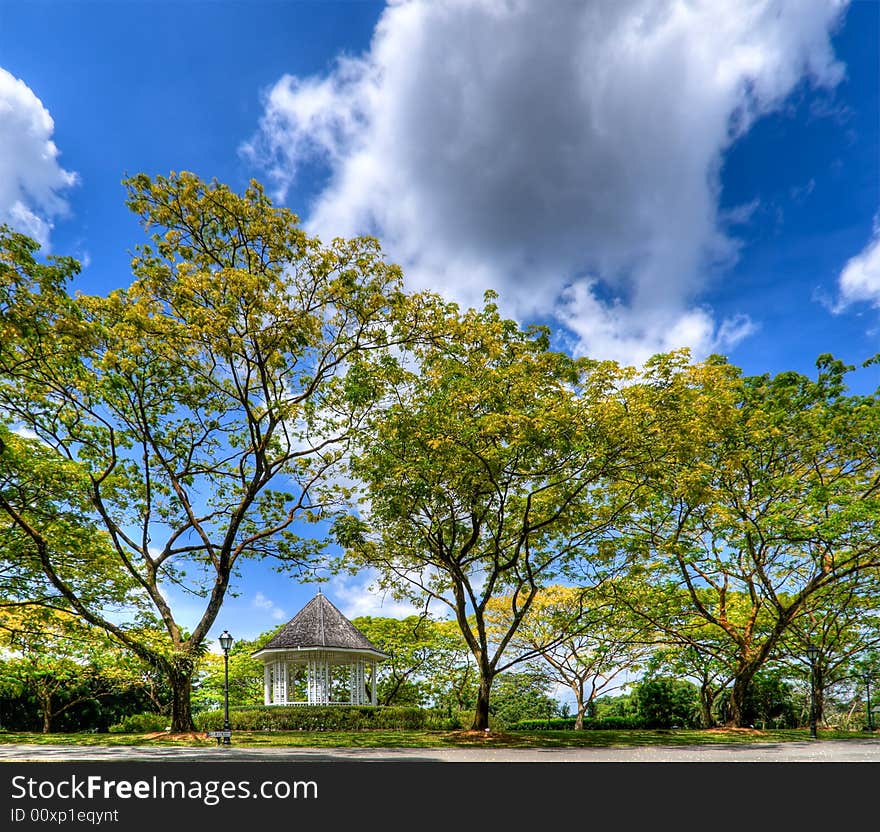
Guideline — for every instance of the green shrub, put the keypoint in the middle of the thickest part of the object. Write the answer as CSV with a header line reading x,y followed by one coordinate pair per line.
x,y
667,702
146,723
325,718
456,720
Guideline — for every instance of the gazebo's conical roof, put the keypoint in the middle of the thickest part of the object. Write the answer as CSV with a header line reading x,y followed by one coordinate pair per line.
x,y
319,625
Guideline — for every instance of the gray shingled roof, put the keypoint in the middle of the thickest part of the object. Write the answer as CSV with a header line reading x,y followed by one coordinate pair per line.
x,y
319,624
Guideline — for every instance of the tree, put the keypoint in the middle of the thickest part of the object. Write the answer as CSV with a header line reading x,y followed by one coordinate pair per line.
x,y
246,675
778,502
60,664
200,406
486,474
664,702
685,645
521,695
426,662
699,659
843,622
583,641
770,702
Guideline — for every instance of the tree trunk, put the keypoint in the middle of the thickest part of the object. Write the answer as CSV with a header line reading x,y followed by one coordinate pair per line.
x,y
481,713
181,706
736,705
707,699
44,697
581,707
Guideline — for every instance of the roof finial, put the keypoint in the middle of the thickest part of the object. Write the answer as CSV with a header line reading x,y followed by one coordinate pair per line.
x,y
319,591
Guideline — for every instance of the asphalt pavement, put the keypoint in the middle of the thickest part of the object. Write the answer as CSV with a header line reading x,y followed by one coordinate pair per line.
x,y
810,751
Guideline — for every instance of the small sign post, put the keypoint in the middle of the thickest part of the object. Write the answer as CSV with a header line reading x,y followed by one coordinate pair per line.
x,y
220,736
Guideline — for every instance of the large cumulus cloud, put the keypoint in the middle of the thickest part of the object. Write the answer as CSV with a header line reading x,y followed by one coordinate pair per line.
x,y
32,181
566,154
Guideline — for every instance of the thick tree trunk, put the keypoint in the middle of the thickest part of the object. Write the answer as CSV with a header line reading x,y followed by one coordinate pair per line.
x,y
481,713
181,706
736,705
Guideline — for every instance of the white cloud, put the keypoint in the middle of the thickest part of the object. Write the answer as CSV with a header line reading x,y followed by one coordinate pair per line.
x,y
357,596
31,179
527,146
632,336
261,602
859,280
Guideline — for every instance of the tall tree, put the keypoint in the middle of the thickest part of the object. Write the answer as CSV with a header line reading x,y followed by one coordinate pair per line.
x,y
202,403
583,640
427,660
843,622
779,502
486,474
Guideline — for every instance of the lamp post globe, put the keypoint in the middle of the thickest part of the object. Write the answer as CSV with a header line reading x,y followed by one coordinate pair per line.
x,y
225,643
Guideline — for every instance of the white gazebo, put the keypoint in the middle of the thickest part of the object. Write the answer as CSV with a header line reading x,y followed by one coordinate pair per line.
x,y
319,658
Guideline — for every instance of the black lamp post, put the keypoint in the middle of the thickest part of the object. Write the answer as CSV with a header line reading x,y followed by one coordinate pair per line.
x,y
813,654
226,642
866,677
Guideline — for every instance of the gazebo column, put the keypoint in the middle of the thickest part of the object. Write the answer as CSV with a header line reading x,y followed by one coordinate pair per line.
x,y
279,687
373,698
356,680
328,682
319,680
267,684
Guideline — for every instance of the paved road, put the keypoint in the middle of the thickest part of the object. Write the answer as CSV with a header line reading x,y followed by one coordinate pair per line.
x,y
823,751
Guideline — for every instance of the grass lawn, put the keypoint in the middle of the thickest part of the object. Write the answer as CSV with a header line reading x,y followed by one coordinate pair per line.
x,y
442,739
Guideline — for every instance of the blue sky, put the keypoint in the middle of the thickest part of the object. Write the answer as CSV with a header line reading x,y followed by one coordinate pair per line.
x,y
640,175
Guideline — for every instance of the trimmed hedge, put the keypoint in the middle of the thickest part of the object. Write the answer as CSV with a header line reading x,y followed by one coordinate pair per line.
x,y
611,723
325,718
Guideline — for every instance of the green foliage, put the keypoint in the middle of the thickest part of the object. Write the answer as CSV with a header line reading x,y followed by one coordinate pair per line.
x,y
66,674
143,723
81,705
325,718
245,676
771,702
183,422
583,638
521,696
48,539
428,662
664,702
768,501
621,706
